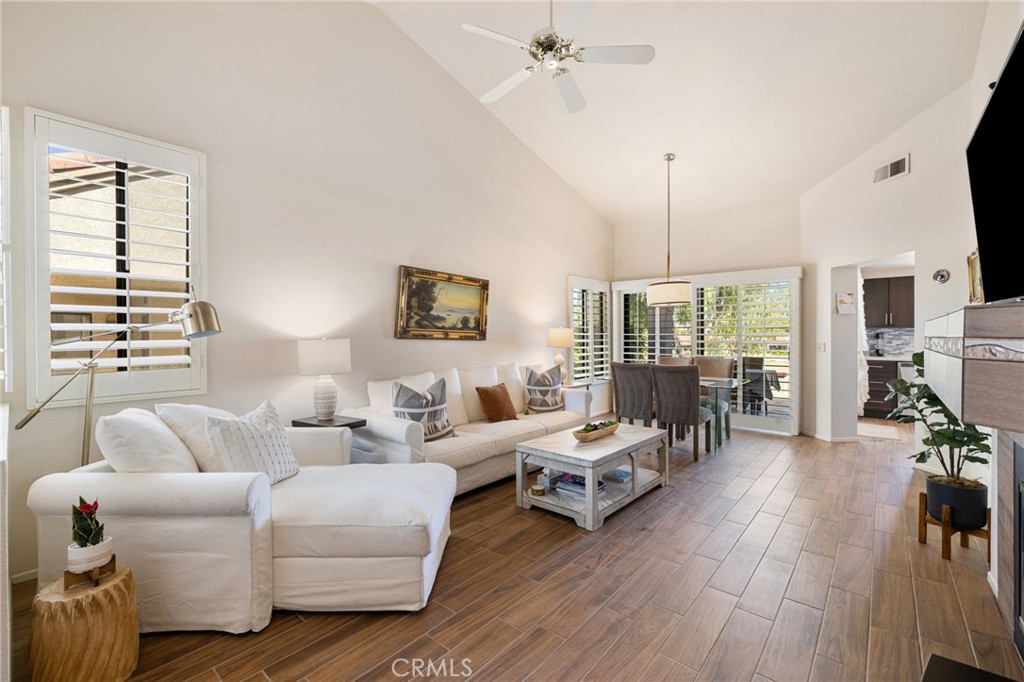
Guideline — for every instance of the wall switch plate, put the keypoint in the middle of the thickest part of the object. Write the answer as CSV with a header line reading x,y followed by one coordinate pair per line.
x,y
821,347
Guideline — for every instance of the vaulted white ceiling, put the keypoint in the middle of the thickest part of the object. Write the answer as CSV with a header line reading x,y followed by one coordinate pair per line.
x,y
759,100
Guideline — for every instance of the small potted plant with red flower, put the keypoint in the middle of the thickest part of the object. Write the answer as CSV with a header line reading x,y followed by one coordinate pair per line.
x,y
89,548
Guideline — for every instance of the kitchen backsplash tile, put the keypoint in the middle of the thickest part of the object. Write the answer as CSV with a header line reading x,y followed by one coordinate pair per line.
x,y
891,341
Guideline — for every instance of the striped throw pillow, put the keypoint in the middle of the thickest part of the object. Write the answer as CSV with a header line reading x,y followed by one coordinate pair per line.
x,y
544,390
429,408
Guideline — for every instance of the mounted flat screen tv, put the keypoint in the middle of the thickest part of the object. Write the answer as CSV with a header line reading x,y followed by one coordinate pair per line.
x,y
994,163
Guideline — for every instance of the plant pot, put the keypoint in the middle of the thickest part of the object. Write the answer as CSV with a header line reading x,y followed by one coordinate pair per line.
x,y
84,559
969,505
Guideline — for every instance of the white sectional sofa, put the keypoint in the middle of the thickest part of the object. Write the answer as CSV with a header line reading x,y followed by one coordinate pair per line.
x,y
218,551
480,452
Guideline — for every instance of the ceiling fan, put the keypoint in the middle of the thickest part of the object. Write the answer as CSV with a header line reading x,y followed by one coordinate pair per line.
x,y
549,50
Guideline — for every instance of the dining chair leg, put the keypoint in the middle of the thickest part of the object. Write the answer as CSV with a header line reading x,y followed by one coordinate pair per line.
x,y
707,436
696,443
728,424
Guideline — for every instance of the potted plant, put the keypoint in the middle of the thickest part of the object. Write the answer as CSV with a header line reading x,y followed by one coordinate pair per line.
x,y
967,497
89,548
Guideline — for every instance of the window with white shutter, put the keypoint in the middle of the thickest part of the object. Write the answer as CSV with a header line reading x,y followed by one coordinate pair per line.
x,y
118,220
649,333
752,322
5,256
750,316
589,306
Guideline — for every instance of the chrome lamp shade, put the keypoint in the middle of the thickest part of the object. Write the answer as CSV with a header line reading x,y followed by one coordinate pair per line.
x,y
197,319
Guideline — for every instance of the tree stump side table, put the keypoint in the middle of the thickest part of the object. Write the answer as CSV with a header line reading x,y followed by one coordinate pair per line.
x,y
86,633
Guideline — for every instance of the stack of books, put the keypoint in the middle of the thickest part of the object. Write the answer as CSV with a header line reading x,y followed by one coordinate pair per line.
x,y
620,475
575,484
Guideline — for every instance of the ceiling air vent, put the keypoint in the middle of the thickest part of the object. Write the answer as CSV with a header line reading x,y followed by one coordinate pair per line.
x,y
893,169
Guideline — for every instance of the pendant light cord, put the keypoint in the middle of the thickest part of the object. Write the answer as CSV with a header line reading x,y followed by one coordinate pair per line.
x,y
669,158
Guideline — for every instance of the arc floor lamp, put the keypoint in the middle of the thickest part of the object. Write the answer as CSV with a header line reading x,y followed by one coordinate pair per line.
x,y
196,318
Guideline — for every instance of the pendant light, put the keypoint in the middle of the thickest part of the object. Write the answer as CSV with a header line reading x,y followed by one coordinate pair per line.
x,y
670,292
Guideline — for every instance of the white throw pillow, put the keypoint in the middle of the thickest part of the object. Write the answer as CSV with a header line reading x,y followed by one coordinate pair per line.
x,y
380,392
189,423
513,380
456,406
469,379
253,442
137,441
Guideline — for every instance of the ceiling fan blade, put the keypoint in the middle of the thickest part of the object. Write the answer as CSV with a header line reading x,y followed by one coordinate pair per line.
x,y
571,17
494,35
570,92
503,88
617,54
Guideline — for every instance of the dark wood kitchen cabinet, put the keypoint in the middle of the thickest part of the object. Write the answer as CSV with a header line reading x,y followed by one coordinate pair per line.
x,y
879,373
889,302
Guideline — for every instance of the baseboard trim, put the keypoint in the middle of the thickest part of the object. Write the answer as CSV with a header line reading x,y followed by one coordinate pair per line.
x,y
25,576
845,439
993,584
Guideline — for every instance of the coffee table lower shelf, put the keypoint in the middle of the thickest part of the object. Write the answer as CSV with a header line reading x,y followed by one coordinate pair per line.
x,y
614,497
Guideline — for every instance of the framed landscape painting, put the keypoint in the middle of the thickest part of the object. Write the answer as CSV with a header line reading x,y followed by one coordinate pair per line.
x,y
439,305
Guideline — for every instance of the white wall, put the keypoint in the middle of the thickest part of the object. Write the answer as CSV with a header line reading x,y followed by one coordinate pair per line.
x,y
749,237
337,150
847,219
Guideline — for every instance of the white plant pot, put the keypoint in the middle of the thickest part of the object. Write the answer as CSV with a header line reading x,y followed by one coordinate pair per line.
x,y
84,559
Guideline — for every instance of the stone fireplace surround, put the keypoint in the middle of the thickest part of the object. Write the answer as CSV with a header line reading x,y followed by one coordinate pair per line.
x,y
1007,527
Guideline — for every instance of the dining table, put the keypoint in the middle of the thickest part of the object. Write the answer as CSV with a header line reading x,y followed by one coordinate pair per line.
x,y
719,392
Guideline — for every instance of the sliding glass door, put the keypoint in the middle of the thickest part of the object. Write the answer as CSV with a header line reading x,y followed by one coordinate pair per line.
x,y
751,317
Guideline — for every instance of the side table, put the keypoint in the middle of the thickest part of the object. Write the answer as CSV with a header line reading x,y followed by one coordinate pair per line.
x,y
86,633
336,421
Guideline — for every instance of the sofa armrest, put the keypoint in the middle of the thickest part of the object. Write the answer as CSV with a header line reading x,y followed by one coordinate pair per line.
x,y
385,439
578,400
312,445
200,545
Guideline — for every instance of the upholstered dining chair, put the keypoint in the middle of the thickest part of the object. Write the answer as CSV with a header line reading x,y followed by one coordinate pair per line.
x,y
634,391
675,361
711,366
677,401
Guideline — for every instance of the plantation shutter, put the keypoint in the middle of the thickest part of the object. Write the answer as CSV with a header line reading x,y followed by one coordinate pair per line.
x,y
589,305
649,333
116,220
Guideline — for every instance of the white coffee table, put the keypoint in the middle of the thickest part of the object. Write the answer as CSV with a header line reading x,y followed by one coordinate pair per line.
x,y
562,452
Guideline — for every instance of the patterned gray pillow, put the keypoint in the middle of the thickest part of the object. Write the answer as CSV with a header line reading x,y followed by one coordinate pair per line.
x,y
430,408
544,390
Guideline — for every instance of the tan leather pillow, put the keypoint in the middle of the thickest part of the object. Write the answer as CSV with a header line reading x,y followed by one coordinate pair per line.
x,y
496,403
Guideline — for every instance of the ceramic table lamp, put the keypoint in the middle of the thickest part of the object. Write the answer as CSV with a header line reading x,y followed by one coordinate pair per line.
x,y
322,358
559,337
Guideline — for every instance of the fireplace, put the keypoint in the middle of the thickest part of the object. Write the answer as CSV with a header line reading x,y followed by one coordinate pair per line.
x,y
1009,545
1018,547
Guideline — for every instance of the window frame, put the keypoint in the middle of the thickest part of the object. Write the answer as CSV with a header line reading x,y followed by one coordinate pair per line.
x,y
40,128
5,250
589,284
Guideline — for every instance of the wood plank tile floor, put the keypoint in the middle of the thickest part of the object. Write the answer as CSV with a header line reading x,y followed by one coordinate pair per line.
x,y
782,559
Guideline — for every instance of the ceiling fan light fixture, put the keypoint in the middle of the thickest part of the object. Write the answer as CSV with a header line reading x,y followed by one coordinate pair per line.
x,y
670,292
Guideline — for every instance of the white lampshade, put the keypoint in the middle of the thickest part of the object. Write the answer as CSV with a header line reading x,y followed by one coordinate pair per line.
x,y
324,356
559,337
669,293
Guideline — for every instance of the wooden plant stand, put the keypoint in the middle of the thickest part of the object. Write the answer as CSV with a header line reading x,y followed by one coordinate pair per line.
x,y
948,531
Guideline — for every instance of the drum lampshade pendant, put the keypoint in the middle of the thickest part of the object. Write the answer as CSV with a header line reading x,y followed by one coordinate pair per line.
x,y
670,292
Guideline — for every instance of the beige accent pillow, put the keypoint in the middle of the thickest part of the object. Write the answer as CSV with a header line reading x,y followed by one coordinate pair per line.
x,y
469,379
513,379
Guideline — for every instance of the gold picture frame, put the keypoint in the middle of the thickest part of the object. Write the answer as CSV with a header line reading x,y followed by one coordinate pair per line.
x,y
975,292
440,305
